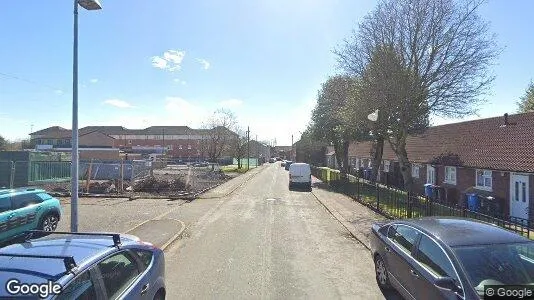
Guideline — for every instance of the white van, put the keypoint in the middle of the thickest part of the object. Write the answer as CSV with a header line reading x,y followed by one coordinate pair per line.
x,y
300,175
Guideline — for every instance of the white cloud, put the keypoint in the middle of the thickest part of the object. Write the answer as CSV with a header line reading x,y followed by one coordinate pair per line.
x,y
59,92
118,103
170,60
205,64
94,80
231,103
158,62
177,80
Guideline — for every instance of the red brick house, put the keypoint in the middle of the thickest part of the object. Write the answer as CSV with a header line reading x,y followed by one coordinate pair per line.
x,y
489,157
181,142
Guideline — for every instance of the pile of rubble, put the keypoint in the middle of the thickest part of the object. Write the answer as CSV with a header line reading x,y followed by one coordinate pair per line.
x,y
213,175
154,185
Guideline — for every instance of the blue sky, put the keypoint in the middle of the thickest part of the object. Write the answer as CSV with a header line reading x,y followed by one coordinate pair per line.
x,y
167,62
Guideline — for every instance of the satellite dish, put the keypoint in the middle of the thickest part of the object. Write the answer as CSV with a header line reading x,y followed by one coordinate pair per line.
x,y
373,117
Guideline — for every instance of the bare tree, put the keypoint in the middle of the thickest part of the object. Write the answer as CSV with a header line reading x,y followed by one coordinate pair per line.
x,y
444,49
218,134
239,145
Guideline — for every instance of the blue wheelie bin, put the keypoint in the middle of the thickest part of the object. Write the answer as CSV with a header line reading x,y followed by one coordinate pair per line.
x,y
428,190
473,202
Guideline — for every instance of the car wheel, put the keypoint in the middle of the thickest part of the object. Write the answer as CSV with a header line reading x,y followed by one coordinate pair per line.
x,y
49,222
381,271
160,295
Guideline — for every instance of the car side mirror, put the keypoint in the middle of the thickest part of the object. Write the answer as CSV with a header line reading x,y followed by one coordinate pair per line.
x,y
447,283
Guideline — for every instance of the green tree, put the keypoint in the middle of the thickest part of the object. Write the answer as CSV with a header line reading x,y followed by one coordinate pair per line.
x,y
3,143
332,118
526,102
388,87
309,150
441,49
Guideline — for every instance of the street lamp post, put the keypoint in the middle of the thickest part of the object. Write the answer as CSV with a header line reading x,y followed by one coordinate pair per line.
x,y
89,5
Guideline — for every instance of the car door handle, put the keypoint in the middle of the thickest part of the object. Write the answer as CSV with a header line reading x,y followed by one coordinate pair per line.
x,y
145,289
10,216
414,274
38,208
387,249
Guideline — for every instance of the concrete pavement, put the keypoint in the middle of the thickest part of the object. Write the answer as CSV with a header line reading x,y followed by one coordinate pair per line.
x,y
355,217
255,239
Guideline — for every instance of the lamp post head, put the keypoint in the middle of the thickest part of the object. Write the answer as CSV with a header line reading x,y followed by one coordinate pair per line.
x,y
373,117
90,4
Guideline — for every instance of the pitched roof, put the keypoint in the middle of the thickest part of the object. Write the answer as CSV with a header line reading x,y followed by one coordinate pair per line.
x,y
283,148
484,143
59,132
54,130
104,129
174,130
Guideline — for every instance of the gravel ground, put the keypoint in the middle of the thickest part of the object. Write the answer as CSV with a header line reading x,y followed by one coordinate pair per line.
x,y
117,215
199,179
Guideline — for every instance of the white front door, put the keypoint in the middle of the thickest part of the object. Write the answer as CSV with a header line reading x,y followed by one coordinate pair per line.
x,y
430,174
519,200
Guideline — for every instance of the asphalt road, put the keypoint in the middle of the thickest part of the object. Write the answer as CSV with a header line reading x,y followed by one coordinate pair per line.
x,y
266,242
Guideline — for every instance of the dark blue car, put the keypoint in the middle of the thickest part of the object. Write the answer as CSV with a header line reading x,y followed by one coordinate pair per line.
x,y
449,258
66,265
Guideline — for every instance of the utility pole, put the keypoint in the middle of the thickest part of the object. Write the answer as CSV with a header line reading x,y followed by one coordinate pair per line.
x,y
163,141
257,151
248,148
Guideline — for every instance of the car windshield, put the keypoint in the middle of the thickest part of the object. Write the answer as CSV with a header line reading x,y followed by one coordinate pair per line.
x,y
497,264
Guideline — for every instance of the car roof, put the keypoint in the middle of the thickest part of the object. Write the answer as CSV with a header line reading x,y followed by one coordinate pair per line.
x,y
463,232
84,250
300,164
11,192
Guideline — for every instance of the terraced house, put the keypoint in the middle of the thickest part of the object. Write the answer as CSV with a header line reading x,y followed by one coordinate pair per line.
x,y
491,158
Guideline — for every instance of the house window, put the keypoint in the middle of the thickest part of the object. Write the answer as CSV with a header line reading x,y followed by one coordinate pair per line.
x,y
450,175
415,171
129,142
180,147
430,174
386,166
370,164
189,147
484,180
357,163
